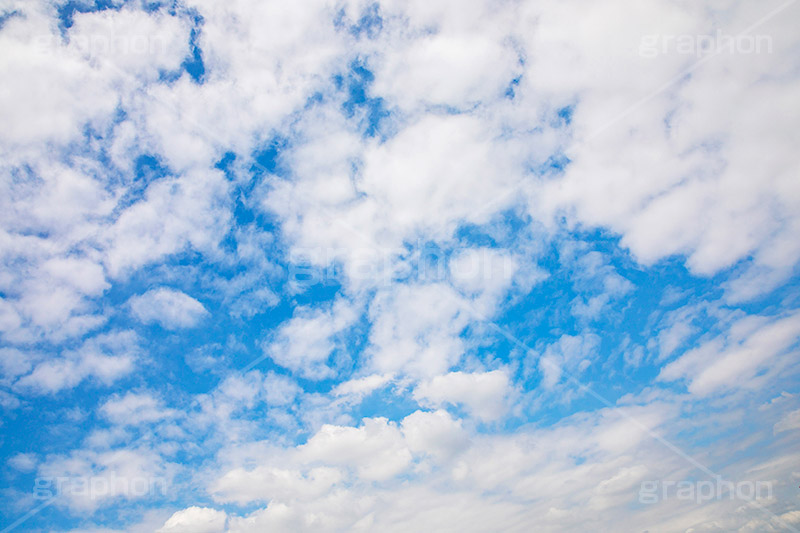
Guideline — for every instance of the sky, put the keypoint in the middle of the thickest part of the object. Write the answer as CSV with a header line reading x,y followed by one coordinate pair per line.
x,y
418,265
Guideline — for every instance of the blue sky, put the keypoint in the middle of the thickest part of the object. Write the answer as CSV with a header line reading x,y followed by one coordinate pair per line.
x,y
347,265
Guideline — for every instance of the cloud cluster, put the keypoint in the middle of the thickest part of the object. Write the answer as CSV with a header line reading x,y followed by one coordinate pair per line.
x,y
456,265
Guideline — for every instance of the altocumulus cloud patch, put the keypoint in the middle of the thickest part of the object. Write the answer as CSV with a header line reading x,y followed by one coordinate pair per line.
x,y
170,308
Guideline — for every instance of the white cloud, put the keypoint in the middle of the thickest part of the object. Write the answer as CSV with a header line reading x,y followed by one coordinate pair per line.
x,y
736,358
305,343
361,386
436,173
195,520
265,483
170,308
131,41
51,92
119,474
105,357
86,276
23,462
484,394
789,422
571,354
483,271
280,390
681,172
586,469
134,409
706,170
436,433
14,362
174,213
447,69
375,450
416,328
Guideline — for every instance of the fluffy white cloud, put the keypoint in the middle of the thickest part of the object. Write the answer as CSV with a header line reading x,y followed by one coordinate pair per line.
x,y
447,69
195,520
304,343
265,483
415,328
134,409
791,421
484,394
52,92
361,386
170,308
175,213
375,450
105,358
23,462
476,94
131,41
737,358
435,433
483,271
436,173
90,479
14,362
570,354
587,469
673,164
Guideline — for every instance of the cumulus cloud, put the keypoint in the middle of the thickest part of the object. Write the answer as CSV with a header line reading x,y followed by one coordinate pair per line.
x,y
738,357
698,149
569,356
105,358
265,483
544,474
134,409
375,450
305,342
416,328
484,394
170,308
120,475
361,386
195,520
606,210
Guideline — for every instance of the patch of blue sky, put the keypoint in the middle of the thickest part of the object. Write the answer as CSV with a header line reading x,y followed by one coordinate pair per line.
x,y
5,16
67,10
564,115
387,402
369,111
194,64
510,92
368,25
